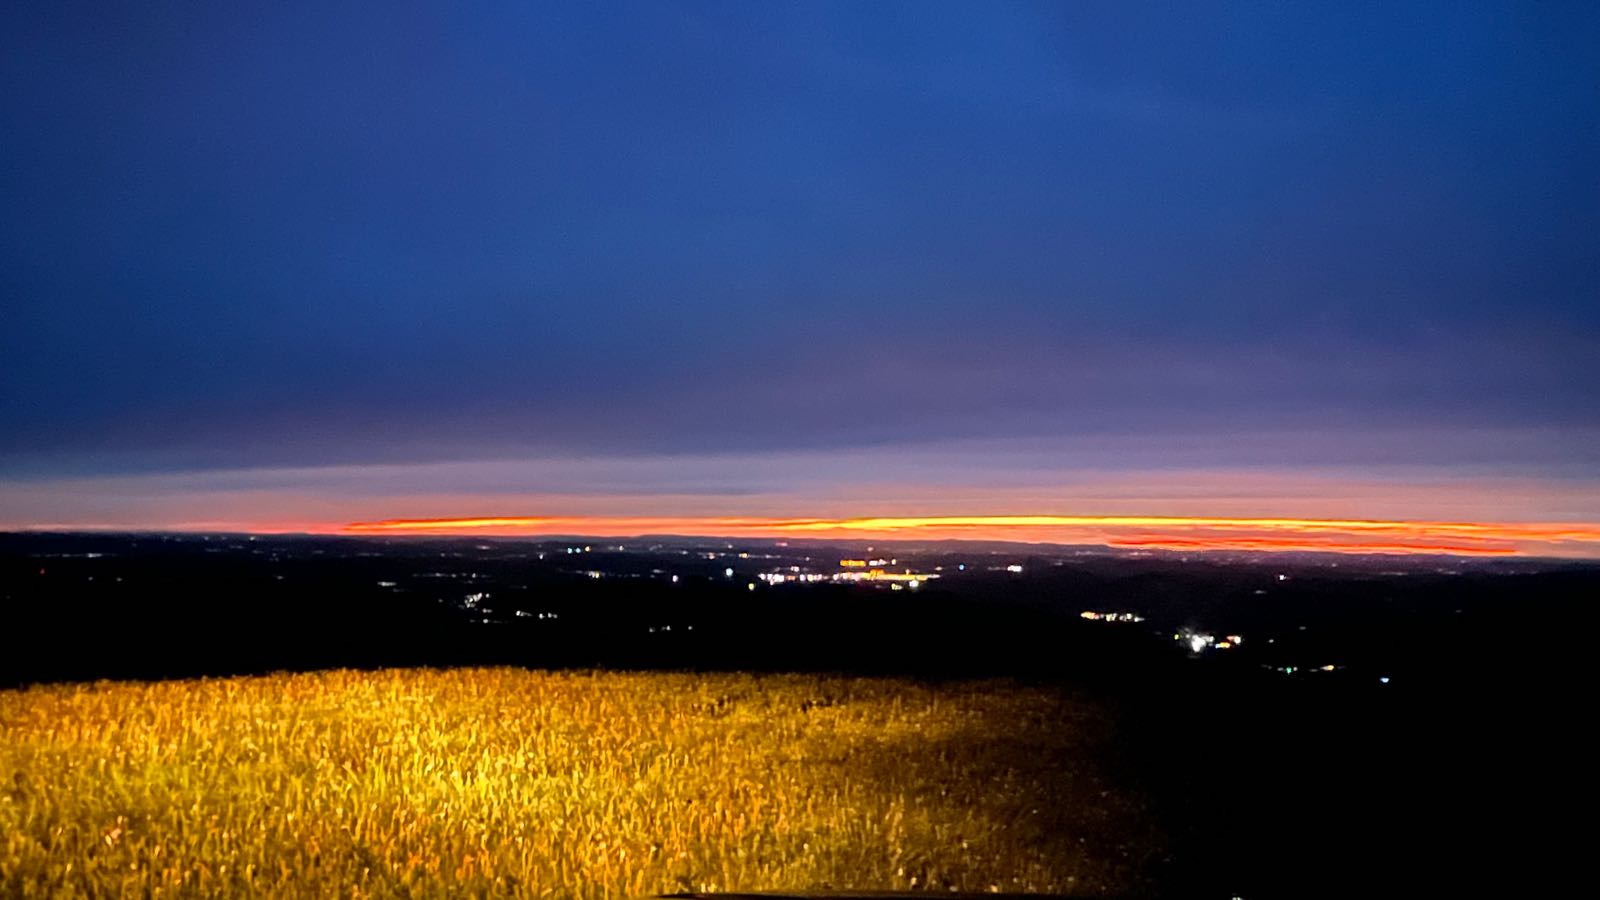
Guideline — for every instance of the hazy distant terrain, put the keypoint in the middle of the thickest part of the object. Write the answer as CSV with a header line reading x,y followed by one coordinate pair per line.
x,y
166,605
516,783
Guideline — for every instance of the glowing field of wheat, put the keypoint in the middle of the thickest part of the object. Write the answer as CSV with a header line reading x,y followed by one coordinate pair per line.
x,y
507,782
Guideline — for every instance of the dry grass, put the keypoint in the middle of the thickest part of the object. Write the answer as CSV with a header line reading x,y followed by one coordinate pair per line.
x,y
514,783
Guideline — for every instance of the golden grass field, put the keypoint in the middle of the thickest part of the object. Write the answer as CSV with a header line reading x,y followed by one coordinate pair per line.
x,y
507,782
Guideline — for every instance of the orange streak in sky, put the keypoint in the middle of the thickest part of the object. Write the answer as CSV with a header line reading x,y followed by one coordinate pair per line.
x,y
1563,531
1267,544
1171,532
453,524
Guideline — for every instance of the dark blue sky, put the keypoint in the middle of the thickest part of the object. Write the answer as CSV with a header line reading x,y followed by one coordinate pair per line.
x,y
307,234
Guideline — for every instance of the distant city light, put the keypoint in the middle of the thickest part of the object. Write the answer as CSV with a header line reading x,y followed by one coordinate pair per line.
x,y
880,575
1094,616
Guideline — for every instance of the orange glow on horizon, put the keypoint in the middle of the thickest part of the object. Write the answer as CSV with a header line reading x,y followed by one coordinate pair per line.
x,y
455,524
1158,532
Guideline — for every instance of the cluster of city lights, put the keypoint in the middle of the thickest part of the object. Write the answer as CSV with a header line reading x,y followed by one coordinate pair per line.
x,y
856,571
909,579
1199,642
799,578
1093,616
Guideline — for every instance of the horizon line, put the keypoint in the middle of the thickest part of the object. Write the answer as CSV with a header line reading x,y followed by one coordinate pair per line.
x,y
1248,534
1236,533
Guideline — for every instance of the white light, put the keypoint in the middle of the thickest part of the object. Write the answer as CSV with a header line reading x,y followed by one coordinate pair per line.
x,y
1197,643
727,573
1383,679
913,584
